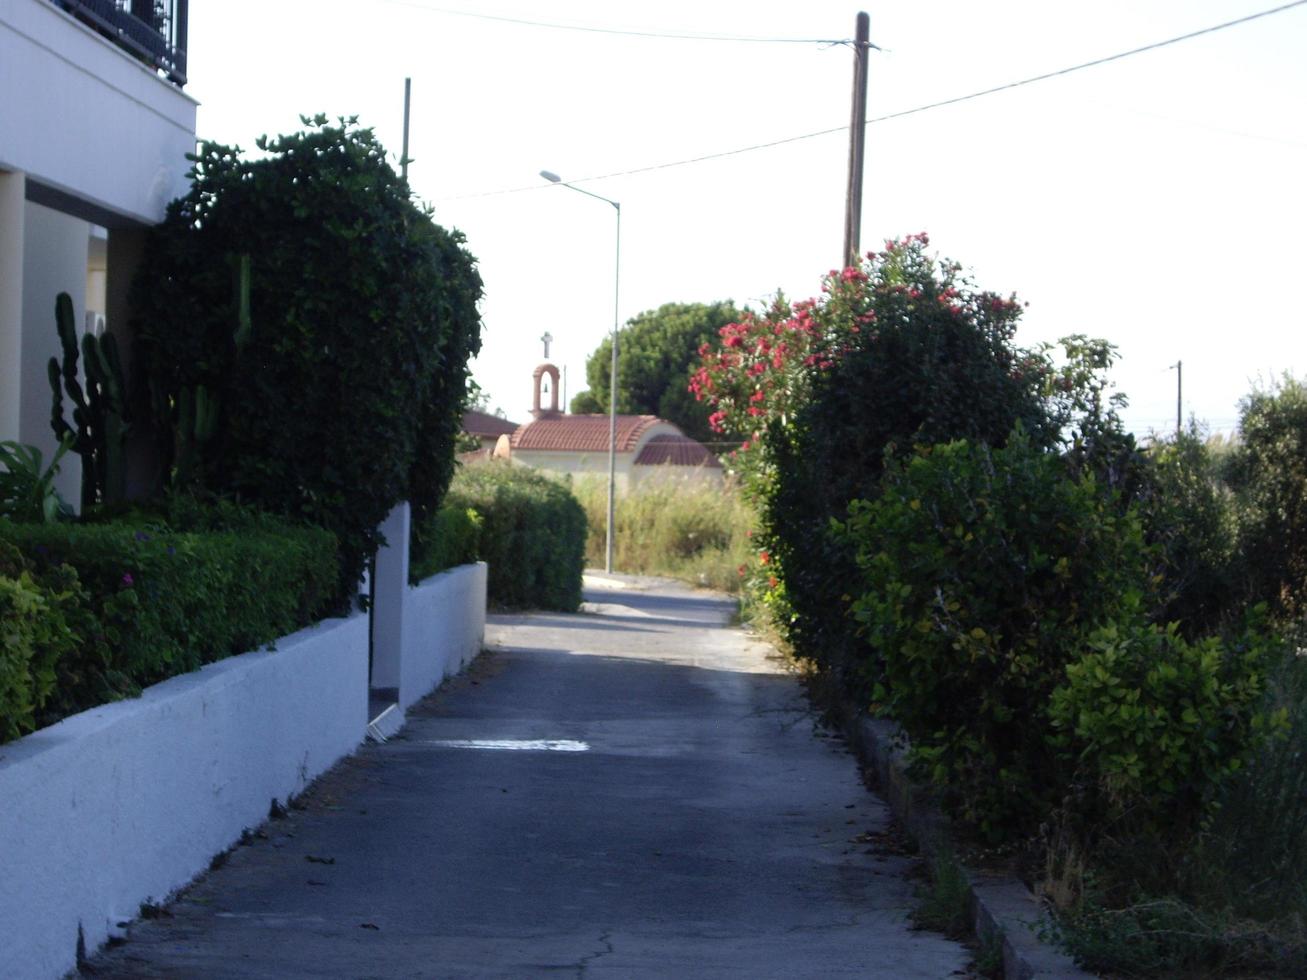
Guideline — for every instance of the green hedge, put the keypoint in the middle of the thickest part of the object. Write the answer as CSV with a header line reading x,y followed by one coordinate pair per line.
x,y
533,535
449,537
157,602
39,615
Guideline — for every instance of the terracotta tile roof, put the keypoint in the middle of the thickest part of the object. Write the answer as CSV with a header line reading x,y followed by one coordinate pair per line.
x,y
484,424
582,433
668,450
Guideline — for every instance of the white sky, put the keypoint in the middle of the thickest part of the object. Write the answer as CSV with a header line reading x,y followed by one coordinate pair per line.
x,y
1157,201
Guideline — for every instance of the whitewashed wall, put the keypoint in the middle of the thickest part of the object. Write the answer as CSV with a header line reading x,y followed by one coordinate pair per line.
x,y
444,628
127,802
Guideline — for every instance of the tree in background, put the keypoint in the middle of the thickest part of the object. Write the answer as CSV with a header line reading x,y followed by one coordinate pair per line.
x,y
658,351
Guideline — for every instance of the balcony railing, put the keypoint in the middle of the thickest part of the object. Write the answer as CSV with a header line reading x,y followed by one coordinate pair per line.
x,y
154,31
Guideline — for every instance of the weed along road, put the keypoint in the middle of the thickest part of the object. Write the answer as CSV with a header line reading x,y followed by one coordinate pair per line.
x,y
639,790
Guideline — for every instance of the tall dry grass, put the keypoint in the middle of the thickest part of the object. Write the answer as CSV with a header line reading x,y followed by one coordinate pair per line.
x,y
681,527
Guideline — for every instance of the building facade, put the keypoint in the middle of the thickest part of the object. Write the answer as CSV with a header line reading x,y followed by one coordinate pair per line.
x,y
94,133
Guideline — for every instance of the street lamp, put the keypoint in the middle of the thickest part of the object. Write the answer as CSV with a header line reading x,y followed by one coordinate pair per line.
x,y
553,178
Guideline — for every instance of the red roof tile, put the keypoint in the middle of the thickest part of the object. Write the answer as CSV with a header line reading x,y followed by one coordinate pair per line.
x,y
668,450
583,433
484,424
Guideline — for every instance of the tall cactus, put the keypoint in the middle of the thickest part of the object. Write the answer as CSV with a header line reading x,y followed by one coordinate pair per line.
x,y
100,423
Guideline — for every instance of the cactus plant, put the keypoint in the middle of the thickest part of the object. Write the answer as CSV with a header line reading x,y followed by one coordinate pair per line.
x,y
100,425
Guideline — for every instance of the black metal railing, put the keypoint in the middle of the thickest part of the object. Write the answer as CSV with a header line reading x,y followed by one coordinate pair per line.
x,y
153,31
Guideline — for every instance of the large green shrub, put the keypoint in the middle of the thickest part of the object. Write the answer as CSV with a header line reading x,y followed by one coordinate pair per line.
x,y
982,574
1268,471
39,616
303,330
1189,511
1156,724
449,537
165,602
533,535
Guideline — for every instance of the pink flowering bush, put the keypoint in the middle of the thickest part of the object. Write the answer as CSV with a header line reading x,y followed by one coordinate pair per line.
x,y
900,349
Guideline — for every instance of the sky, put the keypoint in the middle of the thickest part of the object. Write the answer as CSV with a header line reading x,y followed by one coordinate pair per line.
x,y
1158,201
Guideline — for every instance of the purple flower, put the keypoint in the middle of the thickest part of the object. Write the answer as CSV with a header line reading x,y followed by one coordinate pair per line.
x,y
127,578
142,536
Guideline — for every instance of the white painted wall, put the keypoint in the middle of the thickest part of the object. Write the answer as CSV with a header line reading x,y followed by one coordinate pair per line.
x,y
91,120
12,227
54,262
444,629
127,802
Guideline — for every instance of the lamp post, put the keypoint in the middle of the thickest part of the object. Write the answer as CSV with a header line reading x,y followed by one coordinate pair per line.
x,y
553,178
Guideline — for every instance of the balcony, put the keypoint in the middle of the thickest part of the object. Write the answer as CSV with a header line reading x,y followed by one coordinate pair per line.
x,y
152,31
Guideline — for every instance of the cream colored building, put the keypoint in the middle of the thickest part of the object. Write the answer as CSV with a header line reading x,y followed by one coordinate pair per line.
x,y
647,447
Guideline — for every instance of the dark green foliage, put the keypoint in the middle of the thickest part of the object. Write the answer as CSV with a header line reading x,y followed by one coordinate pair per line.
x,y
100,419
164,602
932,361
533,535
1156,724
445,539
27,491
338,394
1268,472
983,573
1190,512
658,350
39,615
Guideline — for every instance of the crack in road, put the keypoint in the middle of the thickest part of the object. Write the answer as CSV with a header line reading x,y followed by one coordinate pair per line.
x,y
584,963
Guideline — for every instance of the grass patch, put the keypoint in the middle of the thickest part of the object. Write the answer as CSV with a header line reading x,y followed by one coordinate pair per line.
x,y
945,904
684,528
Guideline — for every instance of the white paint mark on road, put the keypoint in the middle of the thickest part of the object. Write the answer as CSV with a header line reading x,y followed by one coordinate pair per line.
x,y
510,744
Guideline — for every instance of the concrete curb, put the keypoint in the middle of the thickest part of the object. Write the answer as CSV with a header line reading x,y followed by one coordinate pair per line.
x,y
1001,907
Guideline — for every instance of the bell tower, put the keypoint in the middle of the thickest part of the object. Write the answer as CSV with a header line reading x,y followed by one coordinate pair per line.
x,y
542,378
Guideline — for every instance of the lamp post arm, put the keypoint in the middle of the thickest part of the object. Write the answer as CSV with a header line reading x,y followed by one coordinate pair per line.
x,y
598,197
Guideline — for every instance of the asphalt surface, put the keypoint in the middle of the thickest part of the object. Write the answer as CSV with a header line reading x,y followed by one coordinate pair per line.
x,y
638,790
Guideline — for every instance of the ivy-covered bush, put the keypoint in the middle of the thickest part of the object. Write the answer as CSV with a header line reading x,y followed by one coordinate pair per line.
x,y
532,537
302,333
983,572
447,538
165,602
39,618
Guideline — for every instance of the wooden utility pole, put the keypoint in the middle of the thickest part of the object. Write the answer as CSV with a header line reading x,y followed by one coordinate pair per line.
x,y
857,143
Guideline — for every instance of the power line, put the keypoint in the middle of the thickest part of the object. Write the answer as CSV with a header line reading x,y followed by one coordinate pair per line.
x,y
670,35
905,112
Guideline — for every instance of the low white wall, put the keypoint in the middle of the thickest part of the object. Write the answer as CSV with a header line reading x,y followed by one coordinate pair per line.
x,y
127,802
444,627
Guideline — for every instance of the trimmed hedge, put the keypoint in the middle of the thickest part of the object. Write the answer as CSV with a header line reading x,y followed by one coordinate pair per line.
x,y
159,603
448,538
38,616
533,535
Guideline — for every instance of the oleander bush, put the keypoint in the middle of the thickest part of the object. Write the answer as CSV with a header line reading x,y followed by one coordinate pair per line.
x,y
533,534
446,538
164,602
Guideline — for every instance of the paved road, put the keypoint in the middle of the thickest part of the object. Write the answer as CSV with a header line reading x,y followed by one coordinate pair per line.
x,y
635,791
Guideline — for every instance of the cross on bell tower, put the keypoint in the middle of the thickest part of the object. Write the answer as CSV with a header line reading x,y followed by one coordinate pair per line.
x,y
547,338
